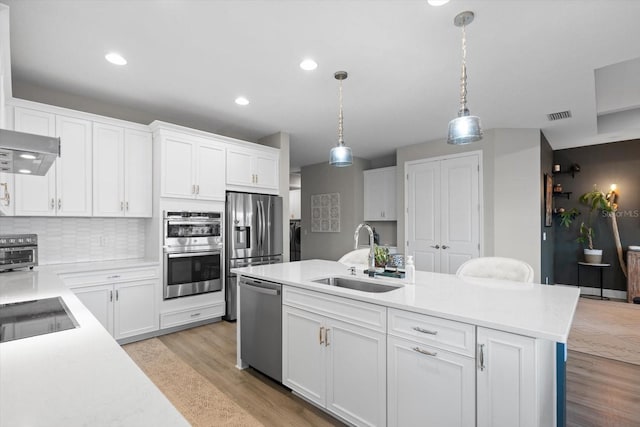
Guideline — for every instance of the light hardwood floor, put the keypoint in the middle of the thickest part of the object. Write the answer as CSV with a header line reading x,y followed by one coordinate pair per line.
x,y
211,351
600,392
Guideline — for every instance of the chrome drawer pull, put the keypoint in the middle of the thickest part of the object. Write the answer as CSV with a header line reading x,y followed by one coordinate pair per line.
x,y
320,336
428,353
195,315
481,357
425,331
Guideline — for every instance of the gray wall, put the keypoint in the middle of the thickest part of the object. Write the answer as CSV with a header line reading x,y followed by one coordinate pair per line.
x,y
547,245
323,178
604,164
511,189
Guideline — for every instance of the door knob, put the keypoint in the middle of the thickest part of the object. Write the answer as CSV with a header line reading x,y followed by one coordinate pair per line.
x,y
445,247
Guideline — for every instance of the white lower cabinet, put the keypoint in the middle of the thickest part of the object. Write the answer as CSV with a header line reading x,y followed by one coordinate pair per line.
x,y
515,386
125,309
430,371
338,365
124,301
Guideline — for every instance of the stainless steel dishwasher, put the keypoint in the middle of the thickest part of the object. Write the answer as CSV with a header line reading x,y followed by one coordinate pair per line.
x,y
261,326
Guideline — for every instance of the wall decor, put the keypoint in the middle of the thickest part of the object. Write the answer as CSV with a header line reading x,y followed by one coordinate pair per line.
x,y
548,200
325,213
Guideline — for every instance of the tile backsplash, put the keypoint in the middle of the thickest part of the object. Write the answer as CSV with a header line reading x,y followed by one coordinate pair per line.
x,y
65,240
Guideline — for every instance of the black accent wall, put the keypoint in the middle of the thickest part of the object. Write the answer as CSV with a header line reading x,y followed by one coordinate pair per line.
x,y
604,164
548,233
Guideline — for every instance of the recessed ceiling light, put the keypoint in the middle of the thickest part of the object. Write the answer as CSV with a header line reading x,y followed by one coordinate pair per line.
x,y
241,100
437,2
308,65
28,156
115,58
24,171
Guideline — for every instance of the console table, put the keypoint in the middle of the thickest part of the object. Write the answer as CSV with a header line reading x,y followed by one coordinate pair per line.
x,y
633,278
600,267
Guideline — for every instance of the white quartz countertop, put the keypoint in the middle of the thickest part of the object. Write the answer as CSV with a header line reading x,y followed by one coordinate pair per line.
x,y
539,311
77,377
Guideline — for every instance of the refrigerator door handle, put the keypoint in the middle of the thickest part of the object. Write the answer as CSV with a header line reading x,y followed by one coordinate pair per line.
x,y
264,226
259,227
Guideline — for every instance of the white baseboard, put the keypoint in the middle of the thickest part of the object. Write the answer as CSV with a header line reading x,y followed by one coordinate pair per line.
x,y
609,293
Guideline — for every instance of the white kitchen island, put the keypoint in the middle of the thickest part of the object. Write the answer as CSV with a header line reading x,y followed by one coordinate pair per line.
x,y
445,350
76,377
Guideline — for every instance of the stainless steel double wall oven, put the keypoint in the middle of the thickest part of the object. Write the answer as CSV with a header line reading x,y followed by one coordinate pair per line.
x,y
193,245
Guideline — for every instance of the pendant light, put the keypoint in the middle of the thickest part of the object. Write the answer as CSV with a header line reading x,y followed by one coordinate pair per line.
x,y
465,128
341,154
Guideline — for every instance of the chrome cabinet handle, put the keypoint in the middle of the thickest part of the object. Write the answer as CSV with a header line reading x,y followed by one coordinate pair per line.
x,y
197,188
121,206
425,331
126,206
435,246
481,357
320,335
445,247
59,204
428,353
110,296
53,204
193,189
116,295
195,315
115,276
326,337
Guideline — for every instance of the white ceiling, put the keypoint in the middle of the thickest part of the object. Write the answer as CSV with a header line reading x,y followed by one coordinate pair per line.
x,y
189,60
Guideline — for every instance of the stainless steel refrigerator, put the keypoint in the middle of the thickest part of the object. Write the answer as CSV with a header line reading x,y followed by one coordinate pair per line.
x,y
253,237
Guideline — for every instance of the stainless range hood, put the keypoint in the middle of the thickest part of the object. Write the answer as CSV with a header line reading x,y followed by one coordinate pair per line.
x,y
27,153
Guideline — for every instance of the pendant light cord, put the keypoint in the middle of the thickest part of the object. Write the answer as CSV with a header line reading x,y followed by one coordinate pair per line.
x,y
463,77
340,118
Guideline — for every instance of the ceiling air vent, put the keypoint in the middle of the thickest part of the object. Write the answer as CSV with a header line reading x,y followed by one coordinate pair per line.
x,y
559,116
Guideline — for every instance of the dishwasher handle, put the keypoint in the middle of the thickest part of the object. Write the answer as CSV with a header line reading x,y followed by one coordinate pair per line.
x,y
260,289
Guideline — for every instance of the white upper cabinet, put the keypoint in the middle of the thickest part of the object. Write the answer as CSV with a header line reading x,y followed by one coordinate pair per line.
x,y
122,175
192,167
253,169
66,189
380,194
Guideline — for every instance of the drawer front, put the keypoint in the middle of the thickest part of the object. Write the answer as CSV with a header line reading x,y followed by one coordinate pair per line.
x,y
183,317
102,277
355,312
434,331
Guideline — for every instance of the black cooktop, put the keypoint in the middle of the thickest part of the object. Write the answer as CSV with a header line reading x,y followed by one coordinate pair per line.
x,y
30,318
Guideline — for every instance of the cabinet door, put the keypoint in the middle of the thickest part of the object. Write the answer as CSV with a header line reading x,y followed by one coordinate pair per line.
x,y
267,170
373,182
303,361
99,301
108,152
211,172
356,373
35,195
138,174
506,375
239,168
135,310
74,167
178,168
436,389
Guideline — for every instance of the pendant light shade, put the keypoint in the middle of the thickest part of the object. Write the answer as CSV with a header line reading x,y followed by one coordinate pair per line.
x,y
341,154
465,128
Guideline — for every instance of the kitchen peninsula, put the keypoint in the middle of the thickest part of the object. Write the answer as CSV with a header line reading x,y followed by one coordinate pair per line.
x,y
74,377
452,351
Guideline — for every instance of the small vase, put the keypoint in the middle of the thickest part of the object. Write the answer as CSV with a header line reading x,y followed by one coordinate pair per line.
x,y
593,256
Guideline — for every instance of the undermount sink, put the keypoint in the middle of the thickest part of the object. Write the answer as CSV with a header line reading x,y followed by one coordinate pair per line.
x,y
358,285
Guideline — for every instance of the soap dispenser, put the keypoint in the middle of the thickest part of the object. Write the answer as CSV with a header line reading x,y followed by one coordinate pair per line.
x,y
410,270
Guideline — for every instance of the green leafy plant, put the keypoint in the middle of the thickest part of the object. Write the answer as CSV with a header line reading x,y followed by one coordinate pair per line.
x,y
381,255
567,217
597,201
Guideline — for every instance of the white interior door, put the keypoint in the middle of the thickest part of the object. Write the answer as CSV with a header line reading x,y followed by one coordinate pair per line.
x,y
443,212
423,215
460,208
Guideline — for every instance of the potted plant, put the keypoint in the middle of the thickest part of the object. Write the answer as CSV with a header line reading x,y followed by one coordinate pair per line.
x,y
381,254
597,201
